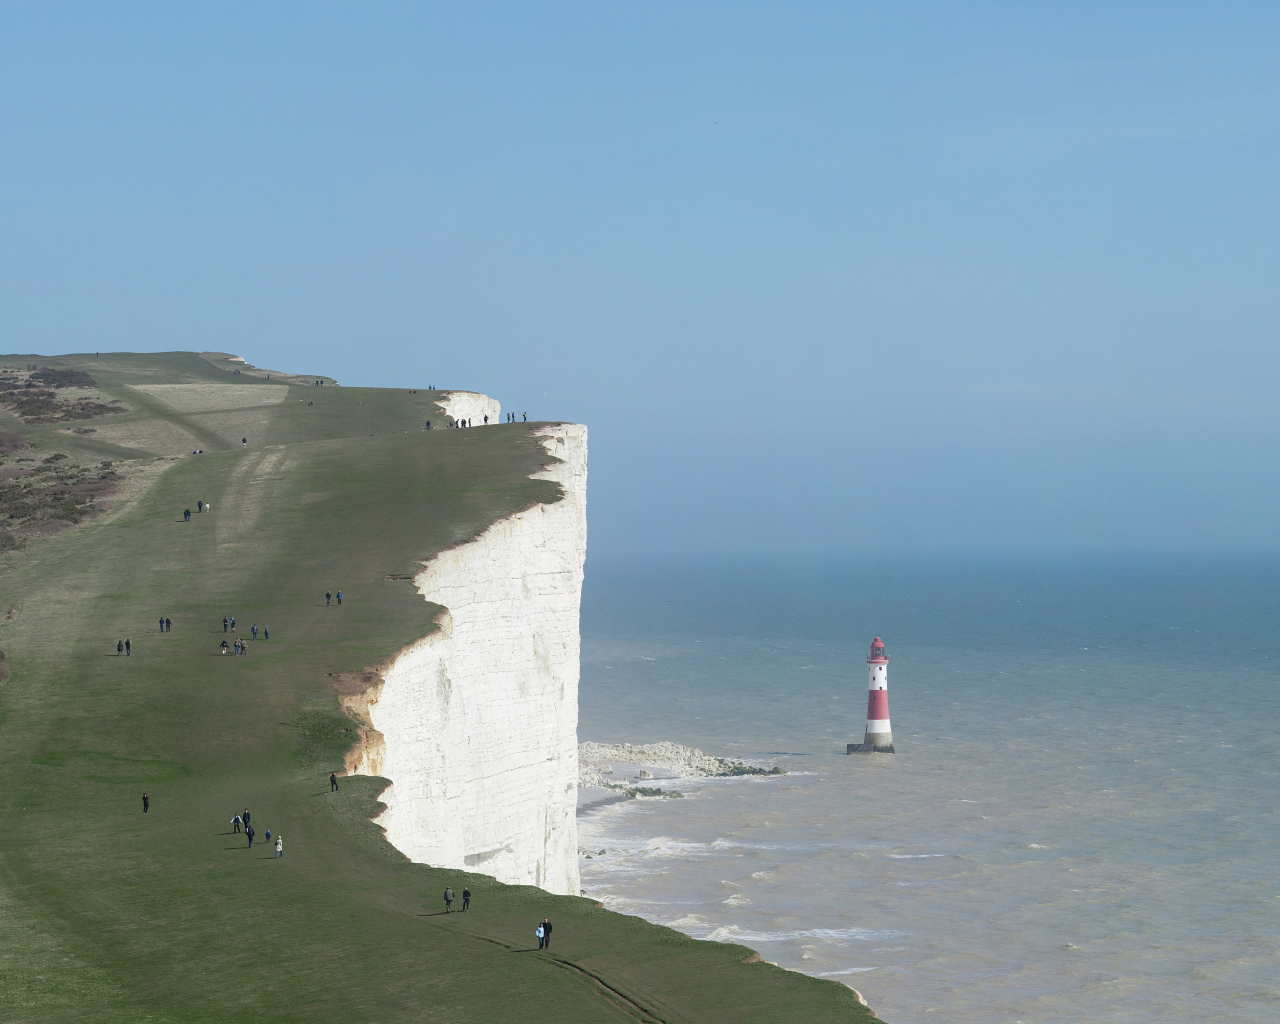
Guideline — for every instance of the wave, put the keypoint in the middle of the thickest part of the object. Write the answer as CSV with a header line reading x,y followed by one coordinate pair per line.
x,y
732,933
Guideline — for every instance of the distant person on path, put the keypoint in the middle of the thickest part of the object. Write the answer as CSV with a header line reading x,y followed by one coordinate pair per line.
x,y
224,623
339,596
161,623
279,846
327,598
428,424
266,633
186,515
235,824
168,625
526,417
486,419
255,631
541,936
146,803
448,900
244,442
248,830
546,933
208,507
119,648
128,648
199,506
466,899
333,782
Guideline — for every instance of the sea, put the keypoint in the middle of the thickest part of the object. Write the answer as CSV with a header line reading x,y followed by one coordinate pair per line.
x,y
1080,820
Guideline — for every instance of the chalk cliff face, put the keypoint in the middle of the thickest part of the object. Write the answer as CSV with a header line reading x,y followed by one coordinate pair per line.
x,y
470,405
476,725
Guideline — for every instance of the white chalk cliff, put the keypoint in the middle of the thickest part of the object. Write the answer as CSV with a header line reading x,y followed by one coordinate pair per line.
x,y
476,724
471,406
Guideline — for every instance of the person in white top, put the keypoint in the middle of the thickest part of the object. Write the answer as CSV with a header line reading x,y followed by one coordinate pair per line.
x,y
279,846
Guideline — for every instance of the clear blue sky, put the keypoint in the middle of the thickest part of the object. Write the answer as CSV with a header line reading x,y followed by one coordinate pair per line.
x,y
818,276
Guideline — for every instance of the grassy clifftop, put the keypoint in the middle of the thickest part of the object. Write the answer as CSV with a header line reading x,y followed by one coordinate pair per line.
x,y
109,914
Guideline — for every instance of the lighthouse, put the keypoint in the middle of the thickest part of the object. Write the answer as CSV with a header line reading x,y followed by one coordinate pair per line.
x,y
879,737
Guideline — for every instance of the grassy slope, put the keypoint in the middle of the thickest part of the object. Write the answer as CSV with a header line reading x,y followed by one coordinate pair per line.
x,y
107,914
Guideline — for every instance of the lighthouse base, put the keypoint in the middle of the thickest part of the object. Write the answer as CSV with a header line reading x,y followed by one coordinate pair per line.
x,y
881,745
869,748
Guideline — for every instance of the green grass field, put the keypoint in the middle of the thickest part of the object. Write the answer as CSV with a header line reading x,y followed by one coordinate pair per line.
x,y
107,914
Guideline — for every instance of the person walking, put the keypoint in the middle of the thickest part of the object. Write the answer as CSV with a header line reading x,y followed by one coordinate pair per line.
x,y
546,933
266,633
466,898
186,515
128,648
146,803
279,846
448,900
233,623
208,507
119,648
161,623
327,597
541,935
428,424
333,782
339,596
248,831
245,817
235,824
486,419
168,625
244,442
224,623
255,631
199,506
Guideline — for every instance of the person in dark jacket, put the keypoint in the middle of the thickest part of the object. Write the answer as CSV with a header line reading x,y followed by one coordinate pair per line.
x,y
128,648
119,648
248,831
224,623
333,782
466,898
546,933
146,803
168,625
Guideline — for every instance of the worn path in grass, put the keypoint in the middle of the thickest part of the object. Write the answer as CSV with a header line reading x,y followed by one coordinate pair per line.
x,y
107,914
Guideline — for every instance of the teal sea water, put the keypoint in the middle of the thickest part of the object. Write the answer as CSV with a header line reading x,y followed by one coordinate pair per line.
x,y
1080,823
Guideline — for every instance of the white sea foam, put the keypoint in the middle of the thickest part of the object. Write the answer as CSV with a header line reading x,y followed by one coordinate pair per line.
x,y
732,933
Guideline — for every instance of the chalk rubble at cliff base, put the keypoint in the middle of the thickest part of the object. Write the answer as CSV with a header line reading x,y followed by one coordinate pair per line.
x,y
596,762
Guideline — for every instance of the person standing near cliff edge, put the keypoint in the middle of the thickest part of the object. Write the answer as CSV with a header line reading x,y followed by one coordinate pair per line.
x,y
466,898
546,933
448,900
333,782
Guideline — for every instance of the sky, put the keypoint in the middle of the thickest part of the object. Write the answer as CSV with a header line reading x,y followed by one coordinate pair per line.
x,y
847,277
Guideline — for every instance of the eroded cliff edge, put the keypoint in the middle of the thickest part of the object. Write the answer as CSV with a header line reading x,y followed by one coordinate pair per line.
x,y
476,724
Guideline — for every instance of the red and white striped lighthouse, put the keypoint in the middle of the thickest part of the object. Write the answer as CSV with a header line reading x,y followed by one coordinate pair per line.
x,y
879,736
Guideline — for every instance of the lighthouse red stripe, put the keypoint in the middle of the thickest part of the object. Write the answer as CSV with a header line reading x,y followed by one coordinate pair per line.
x,y
877,705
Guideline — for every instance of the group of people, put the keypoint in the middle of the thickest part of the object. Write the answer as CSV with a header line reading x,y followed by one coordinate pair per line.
x,y
243,819
328,596
448,899
240,646
201,506
123,647
166,626
511,417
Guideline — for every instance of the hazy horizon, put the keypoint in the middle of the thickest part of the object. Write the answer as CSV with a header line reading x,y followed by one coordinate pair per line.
x,y
836,278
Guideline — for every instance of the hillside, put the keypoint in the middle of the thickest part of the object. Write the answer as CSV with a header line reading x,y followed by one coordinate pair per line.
x,y
110,914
